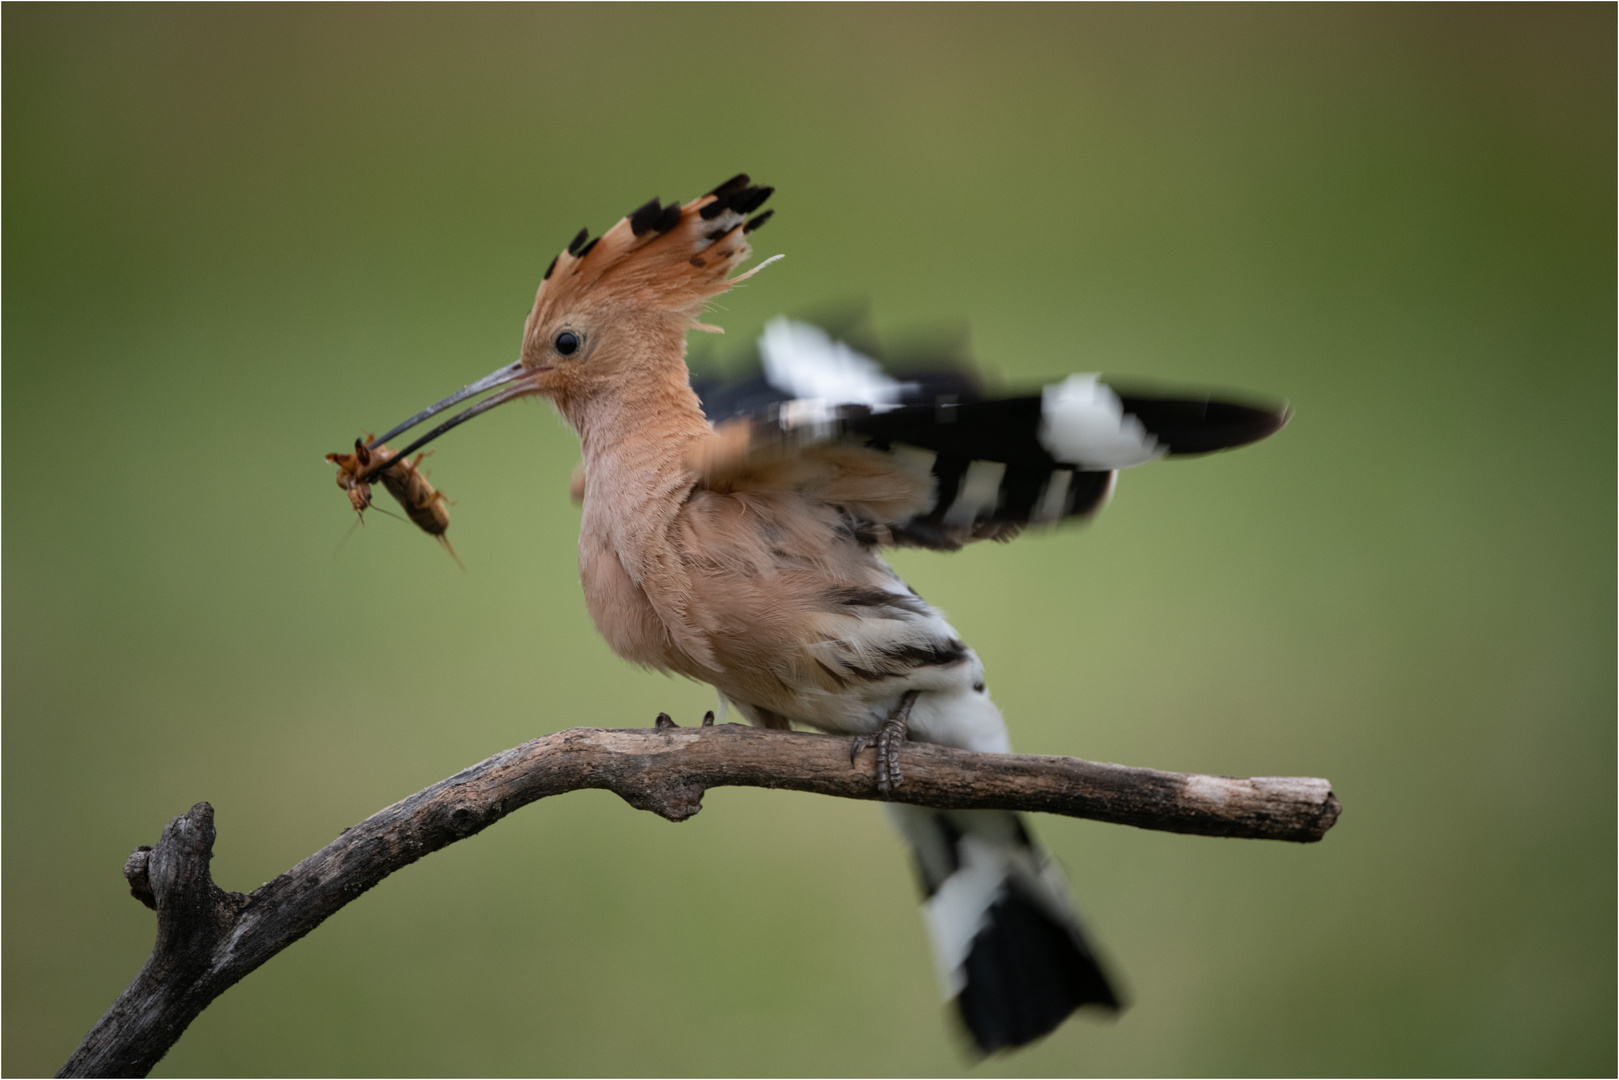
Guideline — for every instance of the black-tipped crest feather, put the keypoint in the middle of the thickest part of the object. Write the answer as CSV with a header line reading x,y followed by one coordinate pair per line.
x,y
643,217
735,183
750,199
668,219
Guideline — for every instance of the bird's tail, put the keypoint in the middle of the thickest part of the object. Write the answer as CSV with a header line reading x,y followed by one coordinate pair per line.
x,y
1009,948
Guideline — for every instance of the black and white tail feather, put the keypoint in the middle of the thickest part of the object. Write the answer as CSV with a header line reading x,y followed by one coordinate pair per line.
x,y
1008,946
1010,949
999,464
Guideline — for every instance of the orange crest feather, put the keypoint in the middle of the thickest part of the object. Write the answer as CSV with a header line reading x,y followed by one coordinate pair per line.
x,y
664,258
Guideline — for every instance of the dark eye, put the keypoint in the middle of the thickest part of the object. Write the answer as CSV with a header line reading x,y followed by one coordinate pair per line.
x,y
567,343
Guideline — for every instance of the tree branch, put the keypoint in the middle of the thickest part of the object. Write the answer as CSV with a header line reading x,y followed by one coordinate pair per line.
x,y
207,938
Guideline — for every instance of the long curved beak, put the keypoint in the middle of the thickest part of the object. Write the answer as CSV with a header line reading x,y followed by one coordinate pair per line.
x,y
511,373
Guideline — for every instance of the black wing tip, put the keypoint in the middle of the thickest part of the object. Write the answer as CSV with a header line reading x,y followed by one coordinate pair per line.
x,y
1251,424
1239,425
1190,426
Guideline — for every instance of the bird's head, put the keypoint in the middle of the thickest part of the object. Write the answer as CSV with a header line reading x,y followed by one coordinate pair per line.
x,y
611,314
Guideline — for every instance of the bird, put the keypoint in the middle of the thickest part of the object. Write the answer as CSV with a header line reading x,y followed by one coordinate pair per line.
x,y
735,537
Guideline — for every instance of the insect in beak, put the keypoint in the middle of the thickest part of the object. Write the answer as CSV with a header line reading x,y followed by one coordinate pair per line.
x,y
506,376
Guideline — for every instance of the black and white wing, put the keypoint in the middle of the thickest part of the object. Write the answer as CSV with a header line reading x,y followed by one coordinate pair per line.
x,y
998,464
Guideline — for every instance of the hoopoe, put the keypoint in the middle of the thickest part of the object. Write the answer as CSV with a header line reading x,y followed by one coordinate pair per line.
x,y
734,539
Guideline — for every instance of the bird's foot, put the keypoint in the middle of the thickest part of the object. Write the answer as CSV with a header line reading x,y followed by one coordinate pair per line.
x,y
894,731
665,722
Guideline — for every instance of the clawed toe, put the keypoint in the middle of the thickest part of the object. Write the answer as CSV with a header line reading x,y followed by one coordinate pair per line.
x,y
665,722
888,740
895,730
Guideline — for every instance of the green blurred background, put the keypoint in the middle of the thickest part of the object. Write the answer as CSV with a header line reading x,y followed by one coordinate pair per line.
x,y
235,236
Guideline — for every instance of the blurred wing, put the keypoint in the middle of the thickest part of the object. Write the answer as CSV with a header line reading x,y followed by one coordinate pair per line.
x,y
987,467
800,361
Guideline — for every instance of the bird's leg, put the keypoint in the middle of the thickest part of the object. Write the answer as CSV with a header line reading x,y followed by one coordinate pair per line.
x,y
893,732
708,718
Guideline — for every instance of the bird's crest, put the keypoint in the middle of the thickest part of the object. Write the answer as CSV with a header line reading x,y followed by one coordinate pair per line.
x,y
665,258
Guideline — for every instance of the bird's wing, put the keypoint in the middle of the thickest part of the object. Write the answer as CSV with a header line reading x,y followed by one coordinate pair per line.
x,y
926,459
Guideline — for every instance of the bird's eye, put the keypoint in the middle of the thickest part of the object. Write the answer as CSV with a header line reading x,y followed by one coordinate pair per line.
x,y
567,343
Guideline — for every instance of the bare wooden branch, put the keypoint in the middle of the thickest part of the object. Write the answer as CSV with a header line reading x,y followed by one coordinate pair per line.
x,y
207,938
